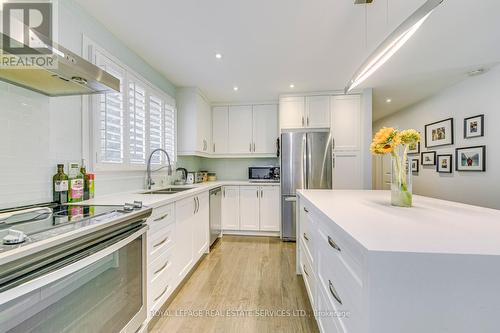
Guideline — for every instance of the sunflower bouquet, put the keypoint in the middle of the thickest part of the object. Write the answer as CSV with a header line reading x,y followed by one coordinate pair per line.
x,y
397,143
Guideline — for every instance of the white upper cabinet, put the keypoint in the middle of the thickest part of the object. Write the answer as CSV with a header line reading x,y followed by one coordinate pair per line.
x,y
220,130
269,208
194,125
265,129
240,129
292,112
346,122
249,208
317,112
305,112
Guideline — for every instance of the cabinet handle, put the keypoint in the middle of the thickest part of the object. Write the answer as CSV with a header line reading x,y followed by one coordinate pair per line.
x,y
161,243
302,121
224,193
214,147
254,147
307,121
257,193
333,244
333,161
194,199
161,217
305,237
305,210
162,293
304,267
261,193
197,205
334,292
250,147
162,268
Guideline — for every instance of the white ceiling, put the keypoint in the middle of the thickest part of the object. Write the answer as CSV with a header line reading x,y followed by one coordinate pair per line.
x,y
317,45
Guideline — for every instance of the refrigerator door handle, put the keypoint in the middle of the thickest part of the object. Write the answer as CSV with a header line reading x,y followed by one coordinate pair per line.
x,y
305,163
291,199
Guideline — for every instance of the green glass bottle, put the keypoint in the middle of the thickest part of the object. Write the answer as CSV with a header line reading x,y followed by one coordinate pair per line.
x,y
60,185
83,171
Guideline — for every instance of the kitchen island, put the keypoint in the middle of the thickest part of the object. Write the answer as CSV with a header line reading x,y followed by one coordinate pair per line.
x,y
372,267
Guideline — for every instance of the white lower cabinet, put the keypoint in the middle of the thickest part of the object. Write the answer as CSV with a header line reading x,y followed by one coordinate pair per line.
x,y
201,226
251,208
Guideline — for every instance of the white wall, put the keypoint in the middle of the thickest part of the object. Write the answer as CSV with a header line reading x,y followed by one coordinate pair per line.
x,y
473,96
37,132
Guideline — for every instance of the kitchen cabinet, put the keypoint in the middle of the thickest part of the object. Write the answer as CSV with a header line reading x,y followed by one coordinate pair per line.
x,y
292,111
230,208
249,208
220,129
269,208
201,225
305,112
265,129
194,124
240,139
185,211
346,128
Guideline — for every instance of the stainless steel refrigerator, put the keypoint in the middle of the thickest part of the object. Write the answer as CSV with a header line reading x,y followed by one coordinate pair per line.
x,y
306,163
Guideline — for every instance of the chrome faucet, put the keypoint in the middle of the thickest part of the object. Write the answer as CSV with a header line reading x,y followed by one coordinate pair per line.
x,y
149,180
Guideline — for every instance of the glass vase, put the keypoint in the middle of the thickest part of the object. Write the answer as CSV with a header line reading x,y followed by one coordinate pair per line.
x,y
401,182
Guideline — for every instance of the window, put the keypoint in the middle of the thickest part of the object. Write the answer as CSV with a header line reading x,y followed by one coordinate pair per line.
x,y
132,123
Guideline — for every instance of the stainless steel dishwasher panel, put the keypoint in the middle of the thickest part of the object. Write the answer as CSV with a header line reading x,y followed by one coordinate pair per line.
x,y
215,214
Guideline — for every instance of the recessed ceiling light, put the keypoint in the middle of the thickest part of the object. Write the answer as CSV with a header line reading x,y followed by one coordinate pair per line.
x,y
292,85
218,56
475,72
388,100
235,88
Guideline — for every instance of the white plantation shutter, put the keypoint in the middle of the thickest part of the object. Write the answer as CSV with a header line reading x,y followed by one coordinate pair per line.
x,y
137,123
169,130
132,123
156,127
111,115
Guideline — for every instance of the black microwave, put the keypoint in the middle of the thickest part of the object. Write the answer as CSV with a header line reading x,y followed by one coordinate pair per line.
x,y
264,174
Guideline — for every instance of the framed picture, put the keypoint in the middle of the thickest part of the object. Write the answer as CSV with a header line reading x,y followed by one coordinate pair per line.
x,y
474,127
429,158
471,158
439,133
415,164
414,148
444,163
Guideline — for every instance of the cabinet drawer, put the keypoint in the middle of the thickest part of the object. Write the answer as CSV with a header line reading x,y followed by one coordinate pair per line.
x,y
334,242
309,278
162,264
160,241
161,218
326,315
160,290
308,234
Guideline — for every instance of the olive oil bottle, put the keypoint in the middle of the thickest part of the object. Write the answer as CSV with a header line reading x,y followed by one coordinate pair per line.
x,y
76,183
60,185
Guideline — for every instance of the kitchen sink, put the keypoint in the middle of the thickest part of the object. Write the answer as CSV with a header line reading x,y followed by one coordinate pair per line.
x,y
169,190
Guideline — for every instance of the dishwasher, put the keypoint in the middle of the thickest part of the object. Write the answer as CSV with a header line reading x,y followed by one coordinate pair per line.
x,y
215,214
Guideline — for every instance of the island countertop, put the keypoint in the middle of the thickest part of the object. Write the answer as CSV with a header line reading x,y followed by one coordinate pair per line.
x,y
430,226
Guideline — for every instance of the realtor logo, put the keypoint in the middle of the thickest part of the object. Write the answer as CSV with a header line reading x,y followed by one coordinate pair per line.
x,y
27,34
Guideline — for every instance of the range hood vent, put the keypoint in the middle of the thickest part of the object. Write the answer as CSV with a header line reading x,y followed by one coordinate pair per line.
x,y
71,74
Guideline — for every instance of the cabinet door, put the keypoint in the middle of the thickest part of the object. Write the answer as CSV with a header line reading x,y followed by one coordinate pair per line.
x,y
265,128
204,125
347,171
184,210
219,130
346,122
318,111
230,208
201,226
270,208
292,112
240,129
249,208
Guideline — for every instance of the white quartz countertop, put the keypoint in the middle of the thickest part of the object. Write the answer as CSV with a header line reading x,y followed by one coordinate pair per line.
x,y
156,200
430,226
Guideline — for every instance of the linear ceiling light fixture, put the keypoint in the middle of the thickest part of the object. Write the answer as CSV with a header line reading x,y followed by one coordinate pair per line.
x,y
392,43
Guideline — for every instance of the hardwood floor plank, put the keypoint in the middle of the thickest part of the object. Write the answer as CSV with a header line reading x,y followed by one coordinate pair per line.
x,y
240,281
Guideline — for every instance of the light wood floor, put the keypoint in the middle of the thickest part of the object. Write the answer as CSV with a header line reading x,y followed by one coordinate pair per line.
x,y
242,273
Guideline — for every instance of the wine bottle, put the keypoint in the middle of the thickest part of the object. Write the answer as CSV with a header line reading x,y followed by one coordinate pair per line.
x,y
60,185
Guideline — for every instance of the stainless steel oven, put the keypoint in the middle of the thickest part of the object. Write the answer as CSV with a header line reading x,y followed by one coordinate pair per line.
x,y
96,283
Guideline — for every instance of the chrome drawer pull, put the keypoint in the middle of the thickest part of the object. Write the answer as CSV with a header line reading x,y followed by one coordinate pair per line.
x,y
334,292
305,237
333,244
305,210
161,217
304,267
161,243
162,293
162,268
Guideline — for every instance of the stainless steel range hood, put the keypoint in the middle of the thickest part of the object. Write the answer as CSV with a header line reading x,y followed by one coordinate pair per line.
x,y
71,75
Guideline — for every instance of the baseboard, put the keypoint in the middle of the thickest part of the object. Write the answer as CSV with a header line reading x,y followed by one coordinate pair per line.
x,y
251,233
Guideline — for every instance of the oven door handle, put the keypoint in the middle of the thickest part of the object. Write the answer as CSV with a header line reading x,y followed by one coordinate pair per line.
x,y
76,262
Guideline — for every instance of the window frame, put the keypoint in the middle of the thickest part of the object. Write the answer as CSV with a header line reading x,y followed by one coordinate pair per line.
x,y
91,120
